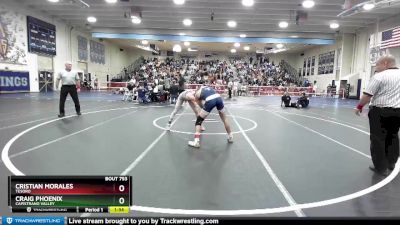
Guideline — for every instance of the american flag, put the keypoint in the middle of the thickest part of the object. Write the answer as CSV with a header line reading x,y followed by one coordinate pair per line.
x,y
391,38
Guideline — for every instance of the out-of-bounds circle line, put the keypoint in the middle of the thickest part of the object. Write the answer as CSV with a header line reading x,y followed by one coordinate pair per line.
x,y
388,179
5,152
205,133
311,117
322,203
321,119
332,201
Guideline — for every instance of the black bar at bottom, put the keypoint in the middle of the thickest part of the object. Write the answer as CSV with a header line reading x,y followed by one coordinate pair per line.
x,y
44,209
9,191
93,209
225,221
307,221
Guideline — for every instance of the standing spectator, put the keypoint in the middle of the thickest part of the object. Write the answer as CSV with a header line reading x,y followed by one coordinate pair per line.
x,y
96,83
383,93
174,92
181,83
235,87
125,71
239,89
167,83
230,87
315,88
154,93
131,84
70,82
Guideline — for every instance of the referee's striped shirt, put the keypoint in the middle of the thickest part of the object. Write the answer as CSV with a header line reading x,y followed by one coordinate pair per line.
x,y
384,87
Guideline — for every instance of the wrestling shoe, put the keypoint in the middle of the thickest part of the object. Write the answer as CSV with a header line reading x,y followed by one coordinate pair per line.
x,y
194,144
168,128
230,138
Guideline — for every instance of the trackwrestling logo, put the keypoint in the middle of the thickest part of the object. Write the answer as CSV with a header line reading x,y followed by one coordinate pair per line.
x,y
33,220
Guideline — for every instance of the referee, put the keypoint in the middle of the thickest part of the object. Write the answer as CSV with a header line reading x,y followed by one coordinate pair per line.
x,y
70,81
383,92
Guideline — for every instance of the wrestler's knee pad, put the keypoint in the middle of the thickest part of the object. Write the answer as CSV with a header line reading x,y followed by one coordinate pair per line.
x,y
199,121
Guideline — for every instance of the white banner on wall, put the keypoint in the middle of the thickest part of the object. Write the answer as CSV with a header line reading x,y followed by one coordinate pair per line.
x,y
12,37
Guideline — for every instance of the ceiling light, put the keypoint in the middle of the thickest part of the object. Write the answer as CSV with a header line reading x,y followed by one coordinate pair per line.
x,y
91,19
186,43
334,25
111,1
192,50
248,3
233,50
246,48
283,24
136,20
146,48
368,6
177,48
237,45
243,35
279,45
278,50
187,22
145,42
53,1
294,36
179,2
232,23
308,4
182,34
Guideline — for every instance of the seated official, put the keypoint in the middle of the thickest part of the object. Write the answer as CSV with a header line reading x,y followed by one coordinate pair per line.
x,y
303,101
286,99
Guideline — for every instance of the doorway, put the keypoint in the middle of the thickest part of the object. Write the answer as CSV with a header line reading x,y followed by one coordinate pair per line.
x,y
46,81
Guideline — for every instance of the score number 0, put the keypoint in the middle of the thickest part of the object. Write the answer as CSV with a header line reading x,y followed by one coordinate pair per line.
x,y
121,200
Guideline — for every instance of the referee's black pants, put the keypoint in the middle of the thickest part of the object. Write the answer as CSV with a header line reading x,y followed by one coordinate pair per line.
x,y
384,127
71,90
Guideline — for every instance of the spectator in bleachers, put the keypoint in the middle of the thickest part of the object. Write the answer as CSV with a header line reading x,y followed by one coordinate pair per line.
x,y
218,72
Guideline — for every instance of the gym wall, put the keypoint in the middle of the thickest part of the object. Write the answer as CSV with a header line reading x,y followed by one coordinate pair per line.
x,y
67,50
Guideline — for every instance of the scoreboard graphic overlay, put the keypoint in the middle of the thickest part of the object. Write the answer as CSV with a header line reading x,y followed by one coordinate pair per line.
x,y
91,194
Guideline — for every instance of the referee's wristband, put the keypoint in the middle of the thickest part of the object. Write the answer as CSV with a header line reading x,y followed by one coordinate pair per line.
x,y
359,107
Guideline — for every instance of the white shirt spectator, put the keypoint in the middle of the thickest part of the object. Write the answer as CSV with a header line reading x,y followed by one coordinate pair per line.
x,y
155,90
235,85
132,82
230,84
315,88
